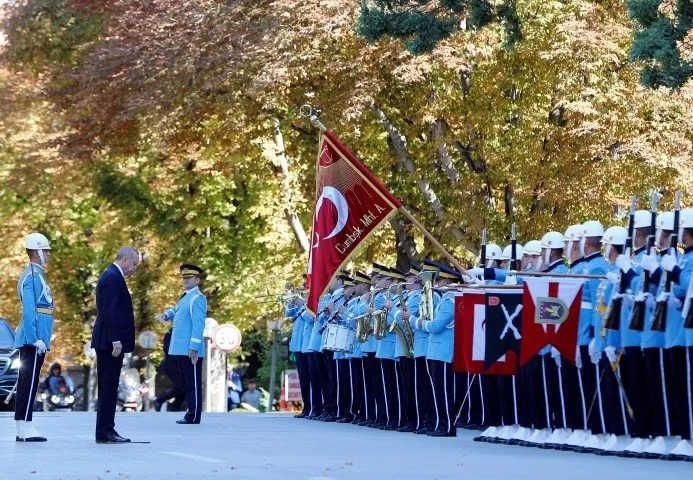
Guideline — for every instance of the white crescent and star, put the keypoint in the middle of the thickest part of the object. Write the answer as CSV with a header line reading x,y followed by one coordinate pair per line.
x,y
335,196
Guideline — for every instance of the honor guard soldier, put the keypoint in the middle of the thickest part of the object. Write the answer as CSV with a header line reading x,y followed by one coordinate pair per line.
x,y
187,341
33,337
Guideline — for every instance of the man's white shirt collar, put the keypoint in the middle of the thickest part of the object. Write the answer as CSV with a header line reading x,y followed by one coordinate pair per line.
x,y
119,269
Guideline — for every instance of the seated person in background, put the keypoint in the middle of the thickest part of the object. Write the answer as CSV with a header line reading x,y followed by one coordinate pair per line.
x,y
56,383
252,396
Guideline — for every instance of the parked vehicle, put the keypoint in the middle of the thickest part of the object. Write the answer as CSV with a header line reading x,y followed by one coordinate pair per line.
x,y
9,364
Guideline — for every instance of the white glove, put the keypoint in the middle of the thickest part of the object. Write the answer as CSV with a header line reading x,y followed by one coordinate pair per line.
x,y
595,357
578,359
610,353
627,300
649,263
675,302
663,297
613,277
476,272
624,263
668,262
650,301
511,280
40,347
591,347
556,355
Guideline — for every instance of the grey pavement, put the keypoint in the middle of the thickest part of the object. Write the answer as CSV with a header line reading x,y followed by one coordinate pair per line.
x,y
277,446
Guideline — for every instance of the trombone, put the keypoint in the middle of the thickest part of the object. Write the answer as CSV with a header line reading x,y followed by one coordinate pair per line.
x,y
290,293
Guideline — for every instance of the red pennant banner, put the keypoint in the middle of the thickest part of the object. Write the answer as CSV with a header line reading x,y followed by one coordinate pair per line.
x,y
550,316
350,205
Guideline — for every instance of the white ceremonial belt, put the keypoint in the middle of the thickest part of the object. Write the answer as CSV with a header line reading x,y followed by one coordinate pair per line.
x,y
195,340
586,306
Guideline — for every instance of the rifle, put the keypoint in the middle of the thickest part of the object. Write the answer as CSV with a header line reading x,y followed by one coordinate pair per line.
x,y
484,241
613,314
659,324
637,314
513,247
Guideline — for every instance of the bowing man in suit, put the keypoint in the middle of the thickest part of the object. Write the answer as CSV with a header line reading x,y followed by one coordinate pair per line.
x,y
187,342
113,336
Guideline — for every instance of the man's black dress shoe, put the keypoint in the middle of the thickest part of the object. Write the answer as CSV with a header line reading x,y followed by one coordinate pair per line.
x,y
112,438
186,422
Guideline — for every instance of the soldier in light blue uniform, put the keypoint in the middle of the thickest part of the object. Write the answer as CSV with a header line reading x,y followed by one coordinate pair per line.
x,y
341,358
296,312
404,356
356,369
425,407
315,387
187,340
385,351
33,336
439,355
679,271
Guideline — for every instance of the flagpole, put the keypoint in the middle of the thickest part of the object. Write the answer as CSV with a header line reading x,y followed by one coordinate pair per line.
x,y
559,275
431,239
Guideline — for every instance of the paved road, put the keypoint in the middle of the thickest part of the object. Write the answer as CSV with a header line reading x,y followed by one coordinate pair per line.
x,y
277,446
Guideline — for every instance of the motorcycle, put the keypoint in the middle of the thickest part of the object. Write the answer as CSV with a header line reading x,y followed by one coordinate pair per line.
x,y
63,400
131,392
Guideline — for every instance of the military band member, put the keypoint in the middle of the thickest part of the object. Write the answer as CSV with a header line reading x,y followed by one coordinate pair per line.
x,y
358,381
315,388
385,353
295,311
439,354
340,358
33,338
187,340
404,353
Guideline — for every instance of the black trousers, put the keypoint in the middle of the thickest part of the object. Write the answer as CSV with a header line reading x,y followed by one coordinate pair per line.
x,y
632,370
328,372
304,380
579,385
379,392
27,383
357,389
527,395
405,377
316,398
555,392
390,401
108,375
173,392
540,391
476,412
192,375
493,399
677,388
371,375
423,395
343,388
509,391
656,394
442,384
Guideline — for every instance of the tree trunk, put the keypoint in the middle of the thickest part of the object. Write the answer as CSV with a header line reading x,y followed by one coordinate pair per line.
x,y
404,242
287,194
444,159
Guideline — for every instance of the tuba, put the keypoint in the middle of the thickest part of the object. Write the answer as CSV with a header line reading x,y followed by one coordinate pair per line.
x,y
405,335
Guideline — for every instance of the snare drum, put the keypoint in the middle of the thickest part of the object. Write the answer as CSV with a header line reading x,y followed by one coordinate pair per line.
x,y
339,338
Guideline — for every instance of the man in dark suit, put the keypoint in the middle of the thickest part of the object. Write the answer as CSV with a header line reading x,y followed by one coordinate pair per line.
x,y
113,335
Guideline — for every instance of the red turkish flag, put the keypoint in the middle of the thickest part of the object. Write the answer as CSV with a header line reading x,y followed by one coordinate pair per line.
x,y
470,336
350,205
550,316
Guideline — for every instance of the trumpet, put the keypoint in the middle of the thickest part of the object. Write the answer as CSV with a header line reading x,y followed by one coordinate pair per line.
x,y
290,293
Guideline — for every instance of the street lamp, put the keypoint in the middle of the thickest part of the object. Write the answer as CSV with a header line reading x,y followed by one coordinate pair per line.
x,y
276,327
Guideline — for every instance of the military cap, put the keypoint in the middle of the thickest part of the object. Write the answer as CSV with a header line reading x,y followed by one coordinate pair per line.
x,y
190,270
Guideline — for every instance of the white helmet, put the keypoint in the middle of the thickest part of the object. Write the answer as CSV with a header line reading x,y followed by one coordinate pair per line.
x,y
685,221
664,221
572,233
591,228
508,252
552,240
37,241
533,247
614,236
493,252
642,218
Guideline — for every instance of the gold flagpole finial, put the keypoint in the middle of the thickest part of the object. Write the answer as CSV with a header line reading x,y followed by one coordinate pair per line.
x,y
312,114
